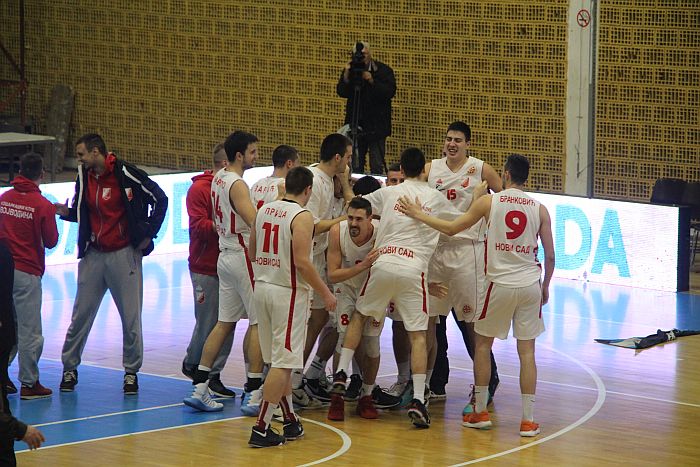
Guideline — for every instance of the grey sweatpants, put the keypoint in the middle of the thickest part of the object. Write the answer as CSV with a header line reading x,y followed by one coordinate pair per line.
x,y
121,272
30,342
206,314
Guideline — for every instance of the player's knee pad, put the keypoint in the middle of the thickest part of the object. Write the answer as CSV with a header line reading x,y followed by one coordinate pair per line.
x,y
371,344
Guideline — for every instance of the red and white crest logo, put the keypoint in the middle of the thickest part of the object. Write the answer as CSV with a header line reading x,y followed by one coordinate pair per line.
x,y
438,182
466,309
465,183
106,194
471,170
129,194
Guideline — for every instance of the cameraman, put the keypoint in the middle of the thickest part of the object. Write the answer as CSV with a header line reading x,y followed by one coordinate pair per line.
x,y
373,85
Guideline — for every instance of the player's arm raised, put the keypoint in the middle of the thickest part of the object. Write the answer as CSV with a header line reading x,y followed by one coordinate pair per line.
x,y
239,194
302,235
479,208
545,234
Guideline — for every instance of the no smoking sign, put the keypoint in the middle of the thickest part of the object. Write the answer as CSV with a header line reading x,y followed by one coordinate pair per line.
x,y
583,18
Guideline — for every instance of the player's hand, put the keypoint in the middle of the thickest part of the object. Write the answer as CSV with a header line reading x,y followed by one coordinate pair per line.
x,y
437,289
33,437
330,301
62,209
545,295
408,207
369,260
480,190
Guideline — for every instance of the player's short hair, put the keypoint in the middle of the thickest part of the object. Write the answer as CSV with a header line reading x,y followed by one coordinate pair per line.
x,y
462,127
366,185
92,141
518,167
297,180
31,166
238,141
333,144
361,203
218,154
395,167
282,154
412,162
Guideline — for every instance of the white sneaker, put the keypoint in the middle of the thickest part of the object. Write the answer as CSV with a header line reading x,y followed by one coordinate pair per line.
x,y
302,400
397,389
250,405
200,400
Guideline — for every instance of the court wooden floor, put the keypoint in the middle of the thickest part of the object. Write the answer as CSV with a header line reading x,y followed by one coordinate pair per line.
x,y
596,404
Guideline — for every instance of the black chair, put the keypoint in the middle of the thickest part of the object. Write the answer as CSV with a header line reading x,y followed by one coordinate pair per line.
x,y
668,191
691,197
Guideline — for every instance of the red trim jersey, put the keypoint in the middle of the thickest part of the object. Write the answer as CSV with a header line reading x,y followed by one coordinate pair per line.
x,y
264,190
232,229
458,187
352,254
511,246
401,240
274,256
321,205
27,225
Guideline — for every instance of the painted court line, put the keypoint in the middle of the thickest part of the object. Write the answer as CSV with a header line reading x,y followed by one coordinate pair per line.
x,y
347,442
588,415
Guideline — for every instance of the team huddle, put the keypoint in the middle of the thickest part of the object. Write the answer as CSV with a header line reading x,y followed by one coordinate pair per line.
x,y
307,255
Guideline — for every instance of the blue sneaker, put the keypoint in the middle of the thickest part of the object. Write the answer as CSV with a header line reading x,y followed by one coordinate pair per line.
x,y
469,408
202,402
250,406
407,395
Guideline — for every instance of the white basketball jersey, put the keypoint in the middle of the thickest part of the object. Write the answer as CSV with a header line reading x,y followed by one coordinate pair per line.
x,y
458,188
264,190
274,258
353,254
511,246
321,205
232,229
401,240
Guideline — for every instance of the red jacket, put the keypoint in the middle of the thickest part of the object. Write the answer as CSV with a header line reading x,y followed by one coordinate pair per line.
x,y
27,225
204,241
106,207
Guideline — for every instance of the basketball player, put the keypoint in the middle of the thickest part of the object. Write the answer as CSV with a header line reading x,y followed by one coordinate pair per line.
x,y
399,275
514,291
282,244
265,190
458,261
234,213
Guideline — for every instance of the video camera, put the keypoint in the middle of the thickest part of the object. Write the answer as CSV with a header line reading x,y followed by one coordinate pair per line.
x,y
357,64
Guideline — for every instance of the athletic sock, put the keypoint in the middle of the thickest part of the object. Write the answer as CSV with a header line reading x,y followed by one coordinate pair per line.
x,y
316,369
288,409
253,382
481,398
201,374
528,407
265,415
367,390
345,358
404,371
419,387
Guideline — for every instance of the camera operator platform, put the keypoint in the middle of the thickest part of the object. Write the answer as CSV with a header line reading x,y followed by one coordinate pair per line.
x,y
368,85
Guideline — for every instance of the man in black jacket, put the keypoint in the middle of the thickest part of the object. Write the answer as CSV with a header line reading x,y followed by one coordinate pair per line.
x,y
119,211
10,428
377,86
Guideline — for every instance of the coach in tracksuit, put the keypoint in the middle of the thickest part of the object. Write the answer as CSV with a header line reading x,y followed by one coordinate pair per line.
x,y
28,226
115,230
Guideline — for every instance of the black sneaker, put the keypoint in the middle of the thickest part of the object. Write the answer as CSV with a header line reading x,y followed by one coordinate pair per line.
x,y
69,380
339,381
131,384
353,391
384,400
217,388
265,439
293,430
10,387
315,389
418,414
188,370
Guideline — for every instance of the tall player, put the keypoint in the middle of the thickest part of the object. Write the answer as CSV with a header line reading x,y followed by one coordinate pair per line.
x,y
282,244
399,275
458,261
234,213
265,190
514,291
